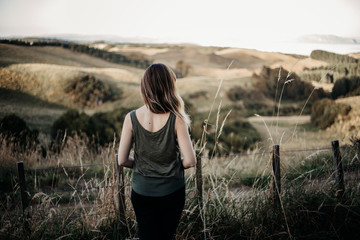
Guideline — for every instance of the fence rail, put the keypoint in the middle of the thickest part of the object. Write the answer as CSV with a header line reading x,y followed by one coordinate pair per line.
x,y
121,203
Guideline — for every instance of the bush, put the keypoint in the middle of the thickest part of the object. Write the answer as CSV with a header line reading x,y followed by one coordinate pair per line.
x,y
271,84
325,111
346,87
332,73
104,127
238,93
16,132
90,91
182,69
72,122
332,57
100,129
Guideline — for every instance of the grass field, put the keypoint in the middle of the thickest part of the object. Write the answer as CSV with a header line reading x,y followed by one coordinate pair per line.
x,y
77,201
80,201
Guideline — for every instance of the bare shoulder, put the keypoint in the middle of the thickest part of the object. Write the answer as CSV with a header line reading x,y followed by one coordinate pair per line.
x,y
180,124
127,121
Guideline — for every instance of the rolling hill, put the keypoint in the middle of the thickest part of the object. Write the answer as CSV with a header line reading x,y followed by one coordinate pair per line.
x,y
43,72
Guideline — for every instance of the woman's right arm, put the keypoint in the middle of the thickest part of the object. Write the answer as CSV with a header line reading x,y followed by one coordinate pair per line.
x,y
185,143
125,144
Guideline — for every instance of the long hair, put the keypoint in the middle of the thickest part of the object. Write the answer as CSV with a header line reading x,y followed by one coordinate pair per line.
x,y
159,92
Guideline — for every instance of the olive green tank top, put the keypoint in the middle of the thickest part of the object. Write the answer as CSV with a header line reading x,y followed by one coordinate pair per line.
x,y
157,169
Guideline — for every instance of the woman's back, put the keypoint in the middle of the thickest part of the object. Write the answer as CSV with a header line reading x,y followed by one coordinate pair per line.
x,y
157,169
152,122
157,132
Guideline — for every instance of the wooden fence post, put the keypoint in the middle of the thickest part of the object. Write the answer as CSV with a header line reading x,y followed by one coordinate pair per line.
x,y
199,181
339,173
121,192
276,175
24,198
21,175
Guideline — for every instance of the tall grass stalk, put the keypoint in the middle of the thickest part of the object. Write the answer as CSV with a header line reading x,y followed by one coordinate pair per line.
x,y
276,91
203,136
268,130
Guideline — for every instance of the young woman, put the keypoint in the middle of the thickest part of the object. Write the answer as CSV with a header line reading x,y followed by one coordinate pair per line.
x,y
159,132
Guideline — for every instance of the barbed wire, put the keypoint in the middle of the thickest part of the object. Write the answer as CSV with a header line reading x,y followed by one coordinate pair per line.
x,y
220,156
306,150
98,188
78,216
240,155
270,152
67,167
70,190
242,178
319,172
77,189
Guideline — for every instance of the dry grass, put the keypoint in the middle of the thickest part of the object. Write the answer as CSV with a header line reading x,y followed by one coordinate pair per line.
x,y
232,209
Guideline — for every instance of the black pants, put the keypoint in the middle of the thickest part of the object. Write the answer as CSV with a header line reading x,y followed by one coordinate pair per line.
x,y
158,217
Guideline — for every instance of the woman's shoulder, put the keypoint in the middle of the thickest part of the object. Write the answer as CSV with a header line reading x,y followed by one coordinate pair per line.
x,y
139,111
180,123
136,111
129,117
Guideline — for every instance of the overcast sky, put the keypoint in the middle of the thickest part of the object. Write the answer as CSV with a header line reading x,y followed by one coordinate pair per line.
x,y
207,22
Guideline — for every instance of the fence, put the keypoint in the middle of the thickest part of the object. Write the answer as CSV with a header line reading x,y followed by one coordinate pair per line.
x,y
275,178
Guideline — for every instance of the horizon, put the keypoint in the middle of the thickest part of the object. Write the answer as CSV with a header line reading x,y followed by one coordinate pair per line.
x,y
259,24
341,46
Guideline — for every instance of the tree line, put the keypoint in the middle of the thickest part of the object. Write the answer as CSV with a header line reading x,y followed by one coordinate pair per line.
x,y
83,48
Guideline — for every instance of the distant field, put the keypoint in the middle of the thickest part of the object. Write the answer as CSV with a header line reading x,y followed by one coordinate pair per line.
x,y
34,84
42,72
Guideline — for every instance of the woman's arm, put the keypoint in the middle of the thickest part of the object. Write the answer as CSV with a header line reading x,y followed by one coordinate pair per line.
x,y
185,143
125,144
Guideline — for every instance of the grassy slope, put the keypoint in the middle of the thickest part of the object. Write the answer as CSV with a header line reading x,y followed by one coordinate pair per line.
x,y
40,73
52,67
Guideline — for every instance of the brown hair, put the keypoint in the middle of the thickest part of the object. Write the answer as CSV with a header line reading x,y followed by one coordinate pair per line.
x,y
159,91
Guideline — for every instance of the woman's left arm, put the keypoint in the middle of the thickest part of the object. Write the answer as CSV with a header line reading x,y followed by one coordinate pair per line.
x,y
125,144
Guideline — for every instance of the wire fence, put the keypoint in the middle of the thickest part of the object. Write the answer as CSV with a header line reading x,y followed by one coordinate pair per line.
x,y
66,167
237,155
240,155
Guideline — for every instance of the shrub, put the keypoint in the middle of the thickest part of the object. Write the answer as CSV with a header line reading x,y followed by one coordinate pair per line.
x,y
104,127
199,94
332,73
332,57
16,132
182,69
238,93
346,87
100,129
271,84
72,122
90,91
325,111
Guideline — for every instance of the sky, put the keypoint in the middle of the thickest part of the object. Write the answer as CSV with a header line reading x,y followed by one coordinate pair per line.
x,y
240,23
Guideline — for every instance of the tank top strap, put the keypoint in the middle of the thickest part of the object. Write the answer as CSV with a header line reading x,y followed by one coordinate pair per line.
x,y
171,122
133,118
